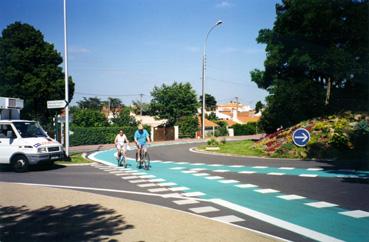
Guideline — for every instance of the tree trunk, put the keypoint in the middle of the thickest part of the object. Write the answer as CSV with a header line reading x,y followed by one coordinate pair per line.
x,y
329,90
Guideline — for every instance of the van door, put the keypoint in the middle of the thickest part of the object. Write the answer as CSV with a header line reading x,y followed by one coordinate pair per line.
x,y
7,137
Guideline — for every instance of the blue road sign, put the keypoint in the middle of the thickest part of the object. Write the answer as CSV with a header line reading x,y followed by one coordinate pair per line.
x,y
301,137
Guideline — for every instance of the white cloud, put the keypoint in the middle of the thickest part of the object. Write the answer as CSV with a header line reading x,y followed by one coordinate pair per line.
x,y
224,4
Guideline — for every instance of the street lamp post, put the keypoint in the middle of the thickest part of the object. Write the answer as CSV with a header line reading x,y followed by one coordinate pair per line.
x,y
66,81
203,77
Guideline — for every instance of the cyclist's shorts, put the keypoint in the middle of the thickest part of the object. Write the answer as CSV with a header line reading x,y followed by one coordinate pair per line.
x,y
143,146
122,147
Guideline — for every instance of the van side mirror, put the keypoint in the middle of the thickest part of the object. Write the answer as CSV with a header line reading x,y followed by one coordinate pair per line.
x,y
9,134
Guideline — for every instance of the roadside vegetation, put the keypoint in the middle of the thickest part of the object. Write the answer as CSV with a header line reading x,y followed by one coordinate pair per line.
x,y
75,159
336,137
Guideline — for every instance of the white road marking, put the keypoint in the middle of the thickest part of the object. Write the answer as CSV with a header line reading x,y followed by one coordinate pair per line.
x,y
175,189
246,185
266,191
213,177
206,209
236,166
308,175
155,161
157,180
129,177
286,168
139,173
259,167
315,169
197,164
228,219
167,162
201,174
277,222
276,173
193,194
178,168
215,165
148,185
291,197
172,195
137,181
228,181
157,189
189,172
182,162
220,170
185,202
356,214
148,176
321,204
198,169
246,172
165,184
122,174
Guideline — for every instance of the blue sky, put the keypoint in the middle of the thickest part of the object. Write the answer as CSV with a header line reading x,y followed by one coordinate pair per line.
x,y
126,47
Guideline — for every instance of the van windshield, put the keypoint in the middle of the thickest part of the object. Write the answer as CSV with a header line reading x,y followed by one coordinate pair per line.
x,y
29,129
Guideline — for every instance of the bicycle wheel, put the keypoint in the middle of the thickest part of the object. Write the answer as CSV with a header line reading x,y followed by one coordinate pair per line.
x,y
147,160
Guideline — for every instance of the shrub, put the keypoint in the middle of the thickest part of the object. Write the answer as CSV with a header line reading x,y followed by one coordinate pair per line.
x,y
244,129
213,142
89,118
98,135
188,125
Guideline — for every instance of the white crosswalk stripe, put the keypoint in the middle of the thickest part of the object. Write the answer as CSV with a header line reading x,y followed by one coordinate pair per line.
x,y
206,209
158,190
129,177
220,170
246,172
137,181
175,189
291,197
228,219
185,202
308,175
148,185
213,177
228,181
266,191
321,204
193,194
356,214
201,174
166,184
276,173
246,185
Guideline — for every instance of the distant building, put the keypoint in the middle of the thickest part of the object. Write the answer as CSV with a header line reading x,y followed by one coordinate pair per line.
x,y
234,112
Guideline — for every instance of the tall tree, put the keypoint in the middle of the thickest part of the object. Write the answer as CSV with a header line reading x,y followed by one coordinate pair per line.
x,y
90,103
114,105
259,106
174,101
322,45
137,105
30,69
210,102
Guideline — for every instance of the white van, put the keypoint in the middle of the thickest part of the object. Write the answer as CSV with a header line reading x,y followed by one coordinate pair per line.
x,y
24,143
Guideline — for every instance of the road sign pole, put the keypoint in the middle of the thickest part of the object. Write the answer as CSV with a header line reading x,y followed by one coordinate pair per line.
x,y
66,81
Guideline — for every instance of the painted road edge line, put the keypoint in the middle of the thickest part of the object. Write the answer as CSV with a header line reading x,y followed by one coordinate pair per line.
x,y
276,221
158,195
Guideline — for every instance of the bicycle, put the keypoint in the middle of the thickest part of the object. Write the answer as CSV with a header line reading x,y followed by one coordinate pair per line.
x,y
144,161
122,159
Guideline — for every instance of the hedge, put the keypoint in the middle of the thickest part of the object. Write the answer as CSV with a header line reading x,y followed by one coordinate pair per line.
x,y
99,135
244,129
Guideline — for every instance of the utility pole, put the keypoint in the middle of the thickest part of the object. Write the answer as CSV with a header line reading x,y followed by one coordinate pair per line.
x,y
237,104
66,81
141,96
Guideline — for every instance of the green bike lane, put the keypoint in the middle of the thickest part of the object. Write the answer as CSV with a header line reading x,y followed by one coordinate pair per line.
x,y
325,224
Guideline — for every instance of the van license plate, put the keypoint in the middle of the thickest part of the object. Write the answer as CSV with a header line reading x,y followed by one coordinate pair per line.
x,y
54,157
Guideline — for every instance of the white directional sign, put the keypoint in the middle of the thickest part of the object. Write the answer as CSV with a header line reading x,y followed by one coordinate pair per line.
x,y
56,104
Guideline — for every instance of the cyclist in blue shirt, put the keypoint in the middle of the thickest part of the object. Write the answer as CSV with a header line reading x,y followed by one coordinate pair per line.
x,y
142,138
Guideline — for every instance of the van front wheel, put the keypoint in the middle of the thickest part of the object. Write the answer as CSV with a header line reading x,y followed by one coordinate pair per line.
x,y
20,163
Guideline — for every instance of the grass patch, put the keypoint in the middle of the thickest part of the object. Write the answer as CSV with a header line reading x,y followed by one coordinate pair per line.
x,y
244,147
75,159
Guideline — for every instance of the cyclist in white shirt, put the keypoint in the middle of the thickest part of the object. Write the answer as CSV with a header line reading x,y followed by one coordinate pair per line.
x,y
121,143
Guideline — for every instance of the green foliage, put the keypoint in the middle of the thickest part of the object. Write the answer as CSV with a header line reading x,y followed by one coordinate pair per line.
x,y
222,129
210,102
259,106
93,103
30,70
89,118
314,43
98,135
213,142
124,119
212,117
188,126
137,105
244,129
174,101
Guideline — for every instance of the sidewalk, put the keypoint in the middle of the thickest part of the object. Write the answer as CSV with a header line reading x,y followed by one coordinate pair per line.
x,y
90,148
31,213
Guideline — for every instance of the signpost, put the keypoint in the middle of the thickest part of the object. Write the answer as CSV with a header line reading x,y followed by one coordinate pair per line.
x,y
301,137
56,104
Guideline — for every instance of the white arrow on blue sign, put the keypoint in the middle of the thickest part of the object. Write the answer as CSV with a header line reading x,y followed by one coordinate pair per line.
x,y
301,137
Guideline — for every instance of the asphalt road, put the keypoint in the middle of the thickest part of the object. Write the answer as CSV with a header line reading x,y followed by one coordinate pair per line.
x,y
346,192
